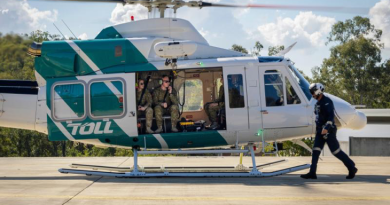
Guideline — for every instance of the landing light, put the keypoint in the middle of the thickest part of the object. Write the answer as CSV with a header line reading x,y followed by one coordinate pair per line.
x,y
200,64
259,133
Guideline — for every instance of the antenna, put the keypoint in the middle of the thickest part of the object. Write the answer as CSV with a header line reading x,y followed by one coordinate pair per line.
x,y
68,28
59,31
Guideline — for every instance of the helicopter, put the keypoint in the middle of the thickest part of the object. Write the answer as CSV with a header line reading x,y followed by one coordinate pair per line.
x,y
85,91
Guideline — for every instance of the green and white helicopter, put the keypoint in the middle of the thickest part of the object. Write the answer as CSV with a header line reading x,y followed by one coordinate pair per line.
x,y
86,92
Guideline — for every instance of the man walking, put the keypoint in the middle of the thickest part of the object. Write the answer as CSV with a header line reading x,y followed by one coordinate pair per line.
x,y
326,133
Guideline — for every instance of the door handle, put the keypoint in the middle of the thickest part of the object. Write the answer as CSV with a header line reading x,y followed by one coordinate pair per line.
x,y
264,111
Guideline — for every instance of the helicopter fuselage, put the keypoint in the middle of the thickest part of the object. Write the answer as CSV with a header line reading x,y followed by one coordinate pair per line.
x,y
87,93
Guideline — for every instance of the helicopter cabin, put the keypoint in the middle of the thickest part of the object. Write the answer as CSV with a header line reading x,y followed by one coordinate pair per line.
x,y
194,89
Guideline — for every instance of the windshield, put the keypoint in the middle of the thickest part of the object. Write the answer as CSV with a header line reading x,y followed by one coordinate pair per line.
x,y
301,81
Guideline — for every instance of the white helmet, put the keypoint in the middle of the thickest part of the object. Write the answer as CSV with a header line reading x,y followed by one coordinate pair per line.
x,y
316,89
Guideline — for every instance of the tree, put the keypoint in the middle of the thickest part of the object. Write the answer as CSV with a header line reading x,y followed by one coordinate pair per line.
x,y
239,48
257,48
272,50
352,72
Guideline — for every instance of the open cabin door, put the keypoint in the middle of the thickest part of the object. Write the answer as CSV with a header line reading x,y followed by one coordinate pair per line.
x,y
235,98
95,106
283,105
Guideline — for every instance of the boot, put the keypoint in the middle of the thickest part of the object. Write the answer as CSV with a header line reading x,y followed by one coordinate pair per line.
x,y
309,176
149,131
214,126
352,173
160,129
174,129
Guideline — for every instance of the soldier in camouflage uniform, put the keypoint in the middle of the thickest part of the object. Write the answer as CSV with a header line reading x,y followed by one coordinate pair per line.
x,y
213,108
167,105
145,107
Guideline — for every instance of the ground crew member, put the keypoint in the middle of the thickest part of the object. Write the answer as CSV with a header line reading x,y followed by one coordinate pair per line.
x,y
165,101
145,106
326,133
213,108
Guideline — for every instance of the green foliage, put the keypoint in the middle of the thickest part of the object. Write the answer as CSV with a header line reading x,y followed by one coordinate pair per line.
x,y
14,61
272,50
239,48
292,149
257,48
353,70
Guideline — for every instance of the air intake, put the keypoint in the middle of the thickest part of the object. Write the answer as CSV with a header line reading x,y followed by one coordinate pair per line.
x,y
35,49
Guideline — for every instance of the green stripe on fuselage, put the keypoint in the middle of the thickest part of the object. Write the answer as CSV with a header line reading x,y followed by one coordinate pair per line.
x,y
175,140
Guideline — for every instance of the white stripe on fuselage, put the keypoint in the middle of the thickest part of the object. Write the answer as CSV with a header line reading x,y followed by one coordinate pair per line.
x,y
84,56
60,126
161,140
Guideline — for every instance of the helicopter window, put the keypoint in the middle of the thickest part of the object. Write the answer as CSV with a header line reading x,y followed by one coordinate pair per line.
x,y
69,101
301,81
273,89
236,91
106,98
194,95
292,97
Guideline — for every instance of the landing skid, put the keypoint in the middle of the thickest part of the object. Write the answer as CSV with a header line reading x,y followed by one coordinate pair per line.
x,y
227,171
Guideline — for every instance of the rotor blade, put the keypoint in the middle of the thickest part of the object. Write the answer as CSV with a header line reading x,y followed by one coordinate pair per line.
x,y
88,1
289,7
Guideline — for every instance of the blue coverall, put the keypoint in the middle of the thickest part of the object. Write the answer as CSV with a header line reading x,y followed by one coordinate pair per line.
x,y
324,110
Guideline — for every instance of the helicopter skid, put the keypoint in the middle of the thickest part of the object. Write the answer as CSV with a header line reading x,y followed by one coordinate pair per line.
x,y
238,168
137,174
229,171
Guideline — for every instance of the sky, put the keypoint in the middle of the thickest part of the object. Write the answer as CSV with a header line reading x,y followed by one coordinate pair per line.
x,y
222,27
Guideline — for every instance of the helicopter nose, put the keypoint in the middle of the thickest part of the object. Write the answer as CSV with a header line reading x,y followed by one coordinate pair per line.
x,y
347,115
358,121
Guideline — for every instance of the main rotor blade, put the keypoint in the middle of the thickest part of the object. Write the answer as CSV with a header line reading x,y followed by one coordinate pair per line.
x,y
88,1
289,7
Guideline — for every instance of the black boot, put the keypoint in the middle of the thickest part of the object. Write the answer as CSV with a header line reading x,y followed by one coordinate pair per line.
x,y
309,176
352,173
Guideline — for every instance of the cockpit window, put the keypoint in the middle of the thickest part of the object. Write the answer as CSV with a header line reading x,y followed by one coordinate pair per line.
x,y
301,81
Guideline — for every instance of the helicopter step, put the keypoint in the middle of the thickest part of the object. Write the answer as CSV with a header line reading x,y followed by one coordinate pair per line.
x,y
136,171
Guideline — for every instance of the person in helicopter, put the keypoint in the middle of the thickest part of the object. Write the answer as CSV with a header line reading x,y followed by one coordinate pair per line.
x,y
144,105
213,107
236,91
166,101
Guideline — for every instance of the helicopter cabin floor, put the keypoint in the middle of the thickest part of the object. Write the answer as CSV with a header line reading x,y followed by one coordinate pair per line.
x,y
37,181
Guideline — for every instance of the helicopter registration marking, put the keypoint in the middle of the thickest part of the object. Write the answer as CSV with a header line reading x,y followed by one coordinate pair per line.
x,y
89,128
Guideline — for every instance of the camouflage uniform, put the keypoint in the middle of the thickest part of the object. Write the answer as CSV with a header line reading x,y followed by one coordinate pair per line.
x,y
212,111
146,101
172,106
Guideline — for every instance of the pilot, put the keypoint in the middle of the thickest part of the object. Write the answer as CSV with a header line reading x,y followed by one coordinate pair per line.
x,y
165,101
236,91
213,108
144,107
326,133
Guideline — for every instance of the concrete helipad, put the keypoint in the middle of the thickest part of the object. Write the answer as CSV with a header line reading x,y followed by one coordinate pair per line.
x,y
37,181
